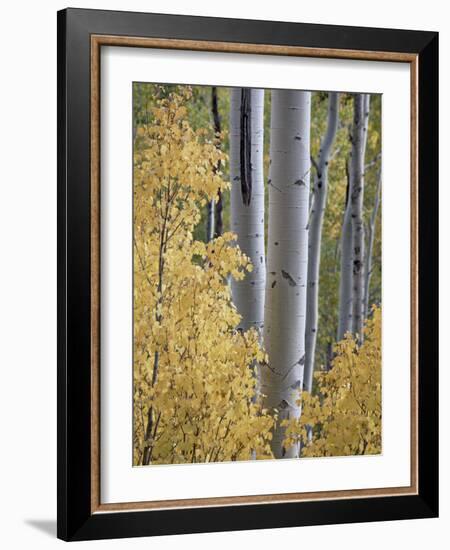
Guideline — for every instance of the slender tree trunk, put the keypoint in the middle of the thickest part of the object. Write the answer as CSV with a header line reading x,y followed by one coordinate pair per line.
x,y
351,290
370,241
360,127
287,259
210,220
330,356
151,429
346,269
315,237
247,201
218,217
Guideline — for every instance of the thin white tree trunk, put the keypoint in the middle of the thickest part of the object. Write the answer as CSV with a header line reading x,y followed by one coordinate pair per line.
x,y
351,288
287,259
359,140
247,201
315,237
346,269
370,242
210,220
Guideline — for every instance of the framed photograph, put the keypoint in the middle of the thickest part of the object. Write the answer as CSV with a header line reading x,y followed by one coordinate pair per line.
x,y
247,271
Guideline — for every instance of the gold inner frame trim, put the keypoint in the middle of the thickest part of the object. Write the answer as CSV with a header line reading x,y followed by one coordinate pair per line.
x,y
97,41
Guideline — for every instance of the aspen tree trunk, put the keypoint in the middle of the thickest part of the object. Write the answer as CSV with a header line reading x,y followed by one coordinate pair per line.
x,y
214,223
351,289
370,241
210,221
315,237
287,259
359,140
247,201
346,269
218,214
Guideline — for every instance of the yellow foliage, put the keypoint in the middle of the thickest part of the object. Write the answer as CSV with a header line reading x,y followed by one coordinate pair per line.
x,y
194,392
345,416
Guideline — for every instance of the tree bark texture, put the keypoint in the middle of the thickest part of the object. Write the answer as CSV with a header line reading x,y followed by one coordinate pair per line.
x,y
210,220
287,259
247,201
346,270
315,237
371,228
351,290
359,141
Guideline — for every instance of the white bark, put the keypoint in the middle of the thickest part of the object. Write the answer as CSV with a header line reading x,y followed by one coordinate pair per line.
x,y
287,259
359,140
210,220
247,207
351,290
346,271
315,237
370,242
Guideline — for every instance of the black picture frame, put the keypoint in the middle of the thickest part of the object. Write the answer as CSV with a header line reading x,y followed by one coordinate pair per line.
x,y
75,518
